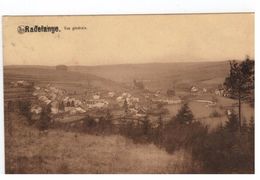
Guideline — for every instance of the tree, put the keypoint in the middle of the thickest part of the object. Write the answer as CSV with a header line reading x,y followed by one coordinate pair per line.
x,y
240,82
125,106
45,118
61,68
109,116
61,106
170,92
145,125
139,85
232,124
68,104
184,115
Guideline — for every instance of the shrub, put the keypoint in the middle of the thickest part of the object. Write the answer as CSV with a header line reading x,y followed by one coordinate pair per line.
x,y
182,131
184,116
232,124
215,113
177,135
226,150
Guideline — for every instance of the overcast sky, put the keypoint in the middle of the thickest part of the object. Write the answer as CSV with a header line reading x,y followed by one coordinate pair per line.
x,y
130,39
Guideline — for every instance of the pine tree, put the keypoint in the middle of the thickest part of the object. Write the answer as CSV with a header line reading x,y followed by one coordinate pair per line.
x,y
240,82
244,127
184,115
125,106
251,129
45,118
145,125
72,103
232,124
61,106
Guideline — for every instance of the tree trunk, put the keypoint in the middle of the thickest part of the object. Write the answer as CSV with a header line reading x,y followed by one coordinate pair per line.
x,y
239,112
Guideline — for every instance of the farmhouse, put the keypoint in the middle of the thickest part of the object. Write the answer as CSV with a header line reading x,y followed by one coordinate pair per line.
x,y
36,87
96,97
194,89
219,92
111,94
100,103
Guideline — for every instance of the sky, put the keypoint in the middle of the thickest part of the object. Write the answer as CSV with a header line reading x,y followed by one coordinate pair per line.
x,y
127,39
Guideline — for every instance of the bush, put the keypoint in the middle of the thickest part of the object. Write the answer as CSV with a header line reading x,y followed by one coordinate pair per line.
x,y
184,116
215,113
226,150
45,119
182,131
177,135
24,107
232,124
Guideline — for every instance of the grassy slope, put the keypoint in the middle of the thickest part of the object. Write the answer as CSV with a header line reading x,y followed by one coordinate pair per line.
x,y
61,152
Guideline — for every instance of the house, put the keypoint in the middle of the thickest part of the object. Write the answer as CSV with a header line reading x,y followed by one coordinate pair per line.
x,y
204,90
111,94
194,89
140,115
80,110
142,110
132,111
52,96
46,90
126,95
68,109
78,103
36,109
23,83
44,99
120,100
96,97
229,112
219,92
97,103
55,107
35,94
76,110
37,88
135,99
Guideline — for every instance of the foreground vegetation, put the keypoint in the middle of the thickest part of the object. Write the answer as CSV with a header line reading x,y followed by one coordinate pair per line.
x,y
59,151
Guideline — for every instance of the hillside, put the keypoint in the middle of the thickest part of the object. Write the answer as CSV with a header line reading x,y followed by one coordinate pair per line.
x,y
154,75
162,75
61,152
44,75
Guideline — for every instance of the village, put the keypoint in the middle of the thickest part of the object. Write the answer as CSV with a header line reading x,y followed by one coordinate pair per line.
x,y
136,104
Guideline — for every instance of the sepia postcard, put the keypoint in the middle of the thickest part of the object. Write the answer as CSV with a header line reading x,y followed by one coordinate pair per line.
x,y
129,94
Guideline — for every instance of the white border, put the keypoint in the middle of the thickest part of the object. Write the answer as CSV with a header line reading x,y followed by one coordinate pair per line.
x,y
83,7
86,7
